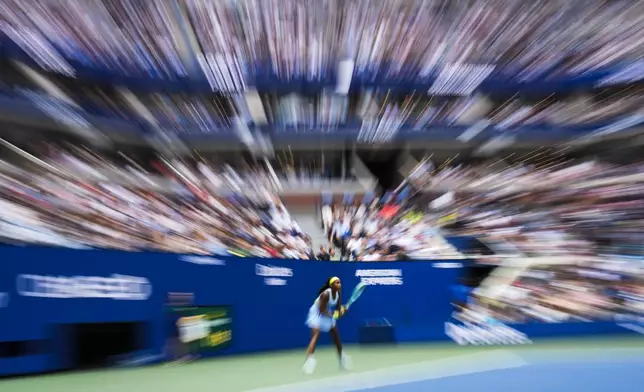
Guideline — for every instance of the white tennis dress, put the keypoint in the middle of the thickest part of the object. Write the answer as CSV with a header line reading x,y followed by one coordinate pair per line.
x,y
317,320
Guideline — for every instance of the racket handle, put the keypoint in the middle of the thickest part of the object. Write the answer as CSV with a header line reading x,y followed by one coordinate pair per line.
x,y
336,314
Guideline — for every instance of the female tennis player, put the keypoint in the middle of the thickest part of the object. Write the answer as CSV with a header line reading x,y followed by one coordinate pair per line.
x,y
321,319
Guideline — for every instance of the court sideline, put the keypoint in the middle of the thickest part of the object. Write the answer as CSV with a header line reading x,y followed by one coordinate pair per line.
x,y
379,369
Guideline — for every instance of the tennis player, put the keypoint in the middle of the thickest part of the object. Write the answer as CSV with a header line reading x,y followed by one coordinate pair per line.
x,y
321,319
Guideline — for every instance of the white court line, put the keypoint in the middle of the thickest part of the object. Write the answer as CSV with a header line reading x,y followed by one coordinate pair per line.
x,y
427,370
584,355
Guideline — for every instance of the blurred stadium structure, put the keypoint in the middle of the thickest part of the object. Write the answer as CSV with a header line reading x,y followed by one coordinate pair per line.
x,y
252,72
161,125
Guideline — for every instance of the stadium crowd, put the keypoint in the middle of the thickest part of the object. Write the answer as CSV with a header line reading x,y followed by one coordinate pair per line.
x,y
592,289
593,224
507,36
67,206
574,231
123,35
192,114
388,229
581,209
78,200
552,174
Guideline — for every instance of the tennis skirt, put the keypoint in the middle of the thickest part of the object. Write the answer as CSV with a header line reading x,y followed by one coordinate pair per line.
x,y
317,321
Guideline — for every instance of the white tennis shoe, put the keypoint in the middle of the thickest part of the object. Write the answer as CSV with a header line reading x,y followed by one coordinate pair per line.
x,y
309,365
345,362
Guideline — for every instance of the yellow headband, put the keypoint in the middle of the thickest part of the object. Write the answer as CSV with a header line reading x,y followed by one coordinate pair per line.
x,y
333,280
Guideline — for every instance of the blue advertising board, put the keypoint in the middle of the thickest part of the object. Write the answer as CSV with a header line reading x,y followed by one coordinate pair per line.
x,y
46,287
43,288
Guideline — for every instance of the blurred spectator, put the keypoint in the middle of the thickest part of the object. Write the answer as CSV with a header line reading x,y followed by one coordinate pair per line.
x,y
583,292
324,254
411,39
61,209
383,232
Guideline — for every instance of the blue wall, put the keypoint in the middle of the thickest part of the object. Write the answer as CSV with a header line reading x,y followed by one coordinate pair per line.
x,y
266,317
42,289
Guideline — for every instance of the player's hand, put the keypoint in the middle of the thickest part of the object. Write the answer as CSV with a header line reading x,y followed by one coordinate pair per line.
x,y
343,310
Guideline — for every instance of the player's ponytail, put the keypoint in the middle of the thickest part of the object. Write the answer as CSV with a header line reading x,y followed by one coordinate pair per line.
x,y
325,287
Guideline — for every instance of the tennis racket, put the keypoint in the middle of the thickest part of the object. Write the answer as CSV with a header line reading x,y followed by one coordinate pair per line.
x,y
357,292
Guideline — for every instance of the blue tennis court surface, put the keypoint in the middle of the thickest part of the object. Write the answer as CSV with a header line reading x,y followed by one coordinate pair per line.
x,y
541,374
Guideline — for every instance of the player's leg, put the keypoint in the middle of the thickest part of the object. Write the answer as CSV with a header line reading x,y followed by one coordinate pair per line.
x,y
336,339
344,359
309,364
315,335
